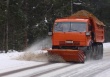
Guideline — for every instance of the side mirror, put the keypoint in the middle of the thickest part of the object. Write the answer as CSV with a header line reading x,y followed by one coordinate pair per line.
x,y
49,28
88,33
50,33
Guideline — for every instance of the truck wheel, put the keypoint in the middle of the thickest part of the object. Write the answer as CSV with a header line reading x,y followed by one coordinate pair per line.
x,y
95,50
101,50
88,53
90,50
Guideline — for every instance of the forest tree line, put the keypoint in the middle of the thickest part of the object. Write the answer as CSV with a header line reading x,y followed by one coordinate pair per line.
x,y
22,21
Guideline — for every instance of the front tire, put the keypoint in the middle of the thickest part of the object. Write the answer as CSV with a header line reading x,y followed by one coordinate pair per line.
x,y
97,51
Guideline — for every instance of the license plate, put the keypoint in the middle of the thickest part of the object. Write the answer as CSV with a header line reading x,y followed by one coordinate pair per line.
x,y
68,41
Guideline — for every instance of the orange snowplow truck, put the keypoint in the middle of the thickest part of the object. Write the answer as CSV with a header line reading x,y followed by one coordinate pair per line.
x,y
78,37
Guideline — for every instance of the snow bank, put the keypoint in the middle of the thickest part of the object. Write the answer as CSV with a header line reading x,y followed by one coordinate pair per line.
x,y
10,55
106,47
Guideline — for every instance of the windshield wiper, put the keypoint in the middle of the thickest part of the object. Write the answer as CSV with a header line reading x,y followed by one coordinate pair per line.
x,y
73,30
58,30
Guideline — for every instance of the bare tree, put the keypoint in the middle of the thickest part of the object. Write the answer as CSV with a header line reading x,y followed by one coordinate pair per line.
x,y
7,25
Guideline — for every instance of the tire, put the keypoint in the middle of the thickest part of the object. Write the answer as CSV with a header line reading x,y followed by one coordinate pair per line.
x,y
101,50
88,53
97,51
95,54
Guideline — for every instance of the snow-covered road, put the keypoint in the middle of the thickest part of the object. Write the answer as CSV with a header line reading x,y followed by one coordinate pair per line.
x,y
9,67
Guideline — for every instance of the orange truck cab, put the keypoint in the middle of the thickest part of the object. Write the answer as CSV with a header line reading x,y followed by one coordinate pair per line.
x,y
73,35
71,32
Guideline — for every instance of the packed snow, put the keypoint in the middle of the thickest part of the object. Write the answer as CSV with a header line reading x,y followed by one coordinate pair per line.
x,y
16,60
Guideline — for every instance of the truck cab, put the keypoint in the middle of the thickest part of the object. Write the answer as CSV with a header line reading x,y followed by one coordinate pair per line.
x,y
71,33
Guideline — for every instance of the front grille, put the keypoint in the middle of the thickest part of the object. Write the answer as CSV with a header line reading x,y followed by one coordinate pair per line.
x,y
76,43
62,42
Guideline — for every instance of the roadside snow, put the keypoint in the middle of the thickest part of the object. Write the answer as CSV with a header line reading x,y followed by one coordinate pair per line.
x,y
106,47
8,61
10,55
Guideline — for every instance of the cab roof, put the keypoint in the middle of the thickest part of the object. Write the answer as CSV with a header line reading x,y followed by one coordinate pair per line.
x,y
72,20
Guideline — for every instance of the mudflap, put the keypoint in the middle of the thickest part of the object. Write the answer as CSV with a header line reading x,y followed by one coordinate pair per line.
x,y
69,55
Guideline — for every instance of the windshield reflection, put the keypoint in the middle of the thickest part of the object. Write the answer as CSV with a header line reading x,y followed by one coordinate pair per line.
x,y
70,27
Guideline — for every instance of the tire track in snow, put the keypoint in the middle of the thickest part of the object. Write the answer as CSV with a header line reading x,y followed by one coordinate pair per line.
x,y
49,70
73,70
58,73
98,71
23,69
37,71
90,71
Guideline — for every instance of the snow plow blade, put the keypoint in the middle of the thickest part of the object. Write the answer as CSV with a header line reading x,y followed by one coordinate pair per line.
x,y
69,55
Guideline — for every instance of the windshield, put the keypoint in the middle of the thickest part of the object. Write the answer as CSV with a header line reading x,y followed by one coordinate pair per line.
x,y
70,27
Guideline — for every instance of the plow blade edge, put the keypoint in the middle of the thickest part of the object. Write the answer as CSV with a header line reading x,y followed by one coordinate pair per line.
x,y
69,55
